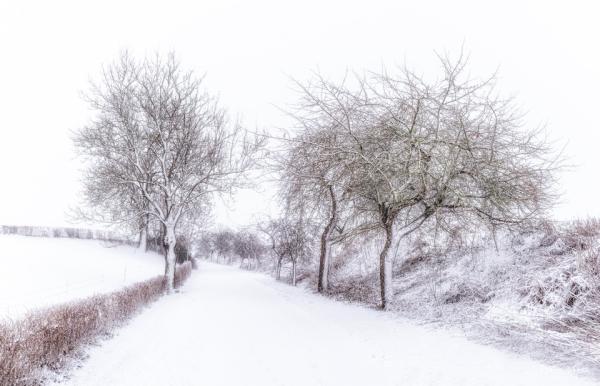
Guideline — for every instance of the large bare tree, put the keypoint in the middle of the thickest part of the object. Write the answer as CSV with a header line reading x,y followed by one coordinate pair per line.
x,y
157,135
409,151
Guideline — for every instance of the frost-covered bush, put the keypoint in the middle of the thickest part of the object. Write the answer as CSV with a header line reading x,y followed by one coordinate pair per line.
x,y
557,283
468,291
182,272
358,288
579,235
569,280
182,253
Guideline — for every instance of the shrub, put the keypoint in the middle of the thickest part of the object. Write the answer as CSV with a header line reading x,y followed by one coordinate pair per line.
x,y
579,235
182,253
358,288
467,291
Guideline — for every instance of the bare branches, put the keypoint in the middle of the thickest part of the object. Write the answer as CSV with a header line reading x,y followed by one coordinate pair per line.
x,y
159,146
404,150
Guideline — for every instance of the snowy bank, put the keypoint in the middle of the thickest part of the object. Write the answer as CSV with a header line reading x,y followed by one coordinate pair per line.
x,y
39,272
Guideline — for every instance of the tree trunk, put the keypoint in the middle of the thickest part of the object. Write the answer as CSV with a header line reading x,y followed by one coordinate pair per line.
x,y
278,272
163,239
385,268
323,282
143,240
294,272
170,260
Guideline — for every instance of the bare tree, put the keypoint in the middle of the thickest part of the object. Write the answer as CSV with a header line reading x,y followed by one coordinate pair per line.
x,y
279,231
312,175
414,151
249,248
205,245
223,243
291,239
306,182
275,231
158,133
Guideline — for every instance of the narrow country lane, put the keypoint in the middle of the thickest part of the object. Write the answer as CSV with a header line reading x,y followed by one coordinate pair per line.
x,y
237,328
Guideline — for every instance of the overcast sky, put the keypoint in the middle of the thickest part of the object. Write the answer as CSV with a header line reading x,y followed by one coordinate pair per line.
x,y
547,53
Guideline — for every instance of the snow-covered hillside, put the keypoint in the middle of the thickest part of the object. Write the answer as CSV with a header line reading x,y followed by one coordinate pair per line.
x,y
534,291
37,272
231,327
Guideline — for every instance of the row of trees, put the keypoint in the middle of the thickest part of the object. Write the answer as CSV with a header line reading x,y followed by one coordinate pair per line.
x,y
279,241
157,150
384,154
226,244
374,155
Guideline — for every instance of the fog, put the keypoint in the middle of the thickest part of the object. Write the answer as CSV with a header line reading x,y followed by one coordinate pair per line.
x,y
545,53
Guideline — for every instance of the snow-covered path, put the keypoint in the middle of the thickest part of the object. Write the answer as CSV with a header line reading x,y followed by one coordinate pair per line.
x,y
230,327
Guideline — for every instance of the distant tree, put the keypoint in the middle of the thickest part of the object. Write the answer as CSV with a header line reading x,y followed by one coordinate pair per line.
x,y
205,245
276,232
223,243
290,238
249,247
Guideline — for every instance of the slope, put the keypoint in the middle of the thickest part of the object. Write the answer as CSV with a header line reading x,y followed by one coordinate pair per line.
x,y
37,272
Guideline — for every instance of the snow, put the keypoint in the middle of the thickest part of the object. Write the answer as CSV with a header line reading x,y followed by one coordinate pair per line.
x,y
38,272
233,327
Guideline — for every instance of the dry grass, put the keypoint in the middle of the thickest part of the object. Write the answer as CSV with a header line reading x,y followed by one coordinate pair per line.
x,y
44,340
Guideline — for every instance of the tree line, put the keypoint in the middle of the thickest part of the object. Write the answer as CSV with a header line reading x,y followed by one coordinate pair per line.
x,y
376,155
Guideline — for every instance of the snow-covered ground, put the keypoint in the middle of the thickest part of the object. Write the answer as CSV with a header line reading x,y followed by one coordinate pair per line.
x,y
232,327
37,272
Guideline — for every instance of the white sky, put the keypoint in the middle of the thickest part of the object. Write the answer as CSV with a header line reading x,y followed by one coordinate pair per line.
x,y
547,53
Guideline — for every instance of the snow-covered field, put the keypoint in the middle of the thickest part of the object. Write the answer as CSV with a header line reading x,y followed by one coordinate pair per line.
x,y
38,272
232,327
